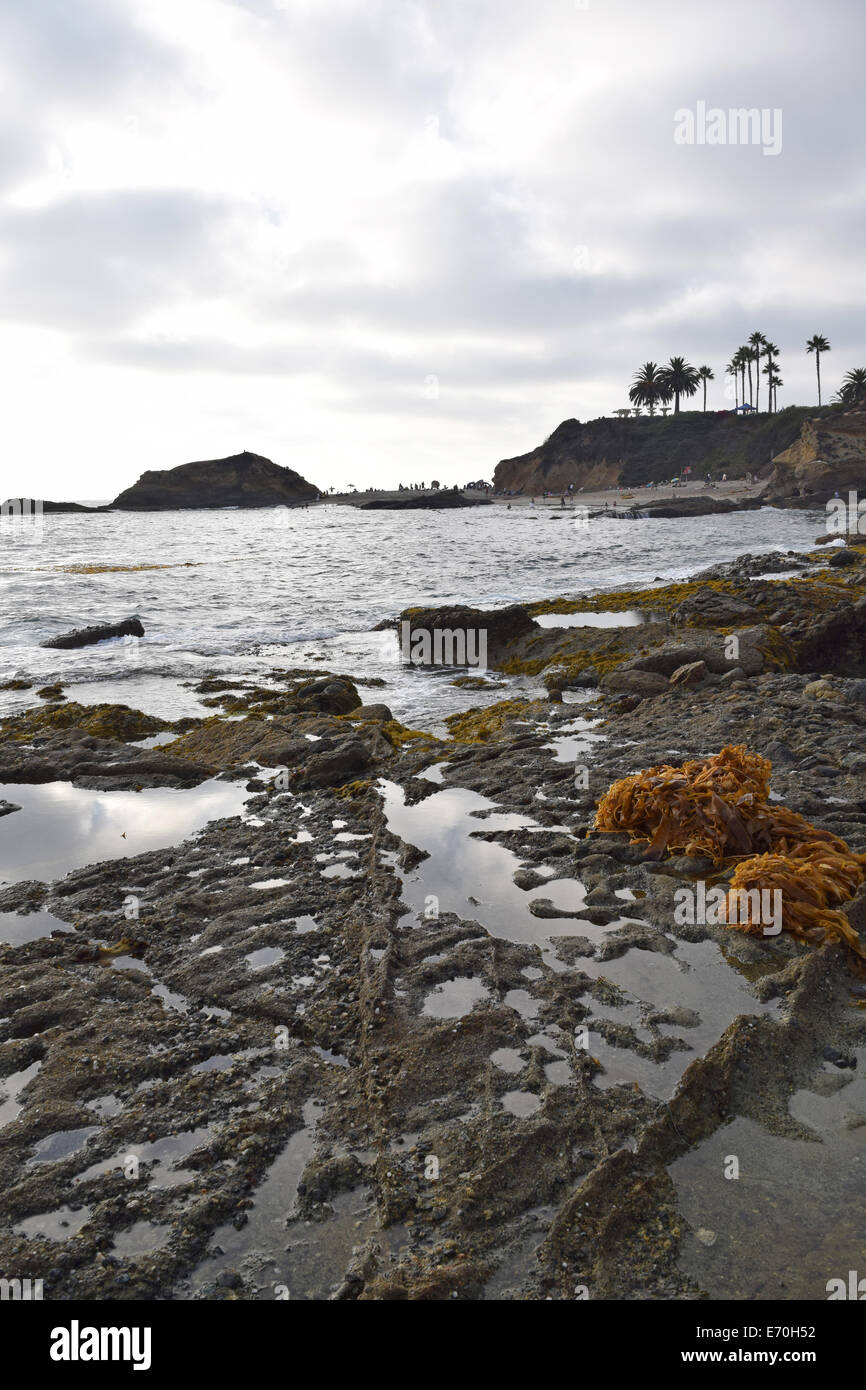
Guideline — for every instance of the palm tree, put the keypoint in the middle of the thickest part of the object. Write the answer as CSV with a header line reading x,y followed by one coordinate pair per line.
x,y
853,386
705,374
680,379
749,357
733,369
773,380
817,344
649,387
739,358
756,342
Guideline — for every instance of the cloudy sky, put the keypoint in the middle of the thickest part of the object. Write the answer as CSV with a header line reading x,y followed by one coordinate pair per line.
x,y
384,240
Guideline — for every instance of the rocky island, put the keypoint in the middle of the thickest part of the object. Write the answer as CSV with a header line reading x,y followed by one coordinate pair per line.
x,y
242,480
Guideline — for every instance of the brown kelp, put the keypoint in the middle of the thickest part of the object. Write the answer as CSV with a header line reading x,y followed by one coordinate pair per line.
x,y
718,808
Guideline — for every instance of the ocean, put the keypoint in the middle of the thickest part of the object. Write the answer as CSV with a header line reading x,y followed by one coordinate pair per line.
x,y
242,592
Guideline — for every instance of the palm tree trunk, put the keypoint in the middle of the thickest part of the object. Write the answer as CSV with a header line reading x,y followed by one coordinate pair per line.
x,y
757,378
818,369
705,395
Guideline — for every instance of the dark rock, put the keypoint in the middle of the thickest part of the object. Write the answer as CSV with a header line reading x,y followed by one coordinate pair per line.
x,y
377,713
330,695
86,636
499,627
840,559
422,501
708,608
242,480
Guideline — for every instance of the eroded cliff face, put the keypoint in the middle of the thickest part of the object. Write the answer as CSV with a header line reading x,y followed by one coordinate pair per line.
x,y
242,480
606,452
829,455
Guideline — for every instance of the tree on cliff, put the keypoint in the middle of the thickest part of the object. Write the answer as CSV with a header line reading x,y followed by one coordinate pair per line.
x,y
706,374
817,344
774,381
649,387
733,369
771,372
742,357
853,386
756,342
748,359
681,379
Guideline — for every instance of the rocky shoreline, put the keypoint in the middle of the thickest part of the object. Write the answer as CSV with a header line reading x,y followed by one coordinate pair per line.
x,y
408,1027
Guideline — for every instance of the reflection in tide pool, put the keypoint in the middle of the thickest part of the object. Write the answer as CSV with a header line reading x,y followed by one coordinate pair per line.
x,y
791,1220
17,928
61,827
473,877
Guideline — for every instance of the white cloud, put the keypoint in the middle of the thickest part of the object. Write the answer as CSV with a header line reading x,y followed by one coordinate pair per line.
x,y
264,225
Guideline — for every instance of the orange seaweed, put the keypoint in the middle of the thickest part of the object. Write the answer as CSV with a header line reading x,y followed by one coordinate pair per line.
x,y
718,808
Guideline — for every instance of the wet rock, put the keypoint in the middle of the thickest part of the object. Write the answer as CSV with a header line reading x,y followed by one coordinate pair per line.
x,y
333,766
709,608
528,878
7,807
842,558
86,636
500,627
378,713
331,695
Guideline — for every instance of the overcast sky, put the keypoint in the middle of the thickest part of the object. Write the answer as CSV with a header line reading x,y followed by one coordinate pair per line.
x,y
385,240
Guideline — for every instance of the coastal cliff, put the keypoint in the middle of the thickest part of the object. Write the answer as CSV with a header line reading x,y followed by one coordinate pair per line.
x,y
828,454
242,480
610,452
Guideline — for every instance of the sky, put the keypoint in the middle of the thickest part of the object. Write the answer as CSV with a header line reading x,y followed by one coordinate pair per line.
x,y
385,241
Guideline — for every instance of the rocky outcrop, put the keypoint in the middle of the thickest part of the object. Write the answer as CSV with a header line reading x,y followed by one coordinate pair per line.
x,y
243,480
423,501
707,504
485,634
829,455
33,506
87,636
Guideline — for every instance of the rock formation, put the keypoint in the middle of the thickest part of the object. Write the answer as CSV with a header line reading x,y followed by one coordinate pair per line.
x,y
829,455
243,480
